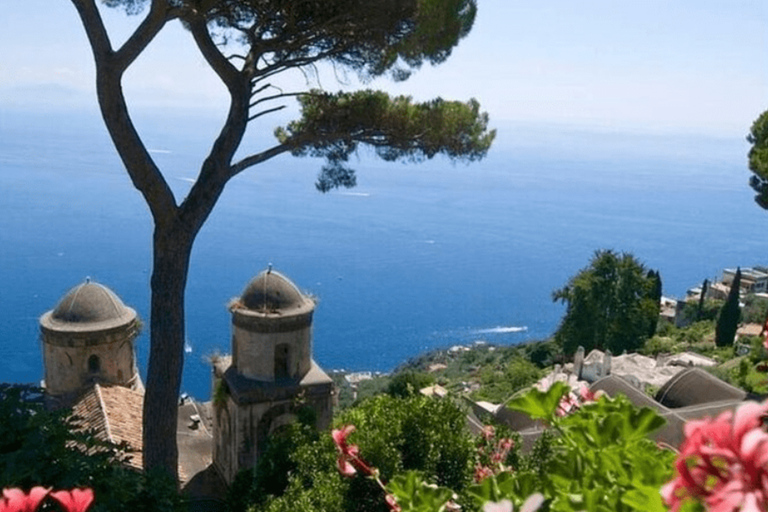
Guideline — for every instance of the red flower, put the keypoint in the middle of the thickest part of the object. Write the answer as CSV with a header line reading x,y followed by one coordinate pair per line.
x,y
15,500
349,461
723,463
76,500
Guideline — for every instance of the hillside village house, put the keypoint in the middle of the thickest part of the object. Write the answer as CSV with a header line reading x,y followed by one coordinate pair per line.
x,y
753,279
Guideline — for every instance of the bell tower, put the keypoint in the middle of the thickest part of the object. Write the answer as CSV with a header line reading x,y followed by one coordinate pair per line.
x,y
88,337
270,376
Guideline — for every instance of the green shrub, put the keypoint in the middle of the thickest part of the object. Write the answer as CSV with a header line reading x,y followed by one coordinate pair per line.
x,y
408,383
709,310
394,435
755,309
496,385
42,447
658,345
544,353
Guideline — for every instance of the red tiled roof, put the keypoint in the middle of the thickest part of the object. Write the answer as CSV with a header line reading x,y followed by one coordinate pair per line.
x,y
115,414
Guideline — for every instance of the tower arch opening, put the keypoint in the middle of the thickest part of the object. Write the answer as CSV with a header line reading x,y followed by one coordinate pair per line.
x,y
94,364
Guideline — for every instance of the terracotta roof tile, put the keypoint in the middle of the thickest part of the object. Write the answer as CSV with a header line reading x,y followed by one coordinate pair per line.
x,y
124,414
115,414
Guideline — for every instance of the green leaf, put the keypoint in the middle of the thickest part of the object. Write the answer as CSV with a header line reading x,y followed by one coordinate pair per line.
x,y
413,494
540,405
644,499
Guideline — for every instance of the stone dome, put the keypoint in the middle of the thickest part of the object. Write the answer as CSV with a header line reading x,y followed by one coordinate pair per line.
x,y
88,306
272,292
696,386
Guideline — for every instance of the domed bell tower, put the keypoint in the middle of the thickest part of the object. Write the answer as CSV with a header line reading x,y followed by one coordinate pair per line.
x,y
88,337
270,379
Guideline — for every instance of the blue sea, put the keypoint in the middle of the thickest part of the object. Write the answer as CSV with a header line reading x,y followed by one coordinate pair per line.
x,y
416,257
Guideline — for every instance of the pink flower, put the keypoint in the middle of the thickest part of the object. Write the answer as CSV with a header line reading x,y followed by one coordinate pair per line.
x,y
501,451
349,461
723,463
15,500
568,404
587,395
76,500
488,432
482,472
392,503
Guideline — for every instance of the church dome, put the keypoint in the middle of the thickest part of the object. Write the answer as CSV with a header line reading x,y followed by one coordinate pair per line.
x,y
88,306
272,292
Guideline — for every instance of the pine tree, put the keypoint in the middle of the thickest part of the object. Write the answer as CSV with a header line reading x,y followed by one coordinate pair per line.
x,y
730,313
249,45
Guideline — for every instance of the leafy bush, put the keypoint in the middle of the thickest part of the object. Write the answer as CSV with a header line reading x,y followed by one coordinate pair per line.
x,y
755,309
658,345
599,458
408,383
395,435
498,385
543,353
709,310
41,447
595,456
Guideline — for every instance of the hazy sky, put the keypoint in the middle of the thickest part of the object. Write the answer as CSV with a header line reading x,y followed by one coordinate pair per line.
x,y
652,65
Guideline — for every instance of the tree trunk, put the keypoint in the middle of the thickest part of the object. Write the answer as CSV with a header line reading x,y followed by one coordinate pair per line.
x,y
171,251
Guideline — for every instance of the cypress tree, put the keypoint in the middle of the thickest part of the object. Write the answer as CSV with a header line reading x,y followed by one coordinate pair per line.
x,y
654,293
730,313
657,291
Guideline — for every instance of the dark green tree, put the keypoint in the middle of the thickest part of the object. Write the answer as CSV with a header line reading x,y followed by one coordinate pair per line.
x,y
655,296
758,159
248,44
730,314
610,305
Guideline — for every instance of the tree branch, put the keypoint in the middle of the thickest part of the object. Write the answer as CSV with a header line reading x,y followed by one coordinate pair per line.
x,y
155,20
218,62
264,112
258,158
94,28
142,170
277,96
262,89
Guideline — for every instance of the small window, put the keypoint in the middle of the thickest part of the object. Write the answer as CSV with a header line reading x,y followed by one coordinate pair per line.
x,y
94,364
281,361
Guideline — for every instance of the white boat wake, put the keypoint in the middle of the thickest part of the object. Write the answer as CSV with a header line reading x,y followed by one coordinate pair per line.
x,y
502,330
